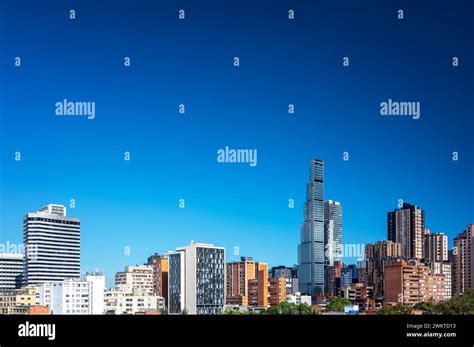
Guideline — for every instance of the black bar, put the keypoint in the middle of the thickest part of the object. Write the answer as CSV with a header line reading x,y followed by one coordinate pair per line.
x,y
254,329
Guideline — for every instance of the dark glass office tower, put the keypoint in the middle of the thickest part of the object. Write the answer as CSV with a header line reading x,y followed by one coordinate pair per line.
x,y
311,247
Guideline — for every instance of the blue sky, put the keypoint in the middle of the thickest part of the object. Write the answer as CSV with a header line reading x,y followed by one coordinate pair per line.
x,y
135,204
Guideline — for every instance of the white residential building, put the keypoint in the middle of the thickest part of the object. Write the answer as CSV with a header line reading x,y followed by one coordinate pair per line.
x,y
74,296
135,277
96,292
298,298
125,302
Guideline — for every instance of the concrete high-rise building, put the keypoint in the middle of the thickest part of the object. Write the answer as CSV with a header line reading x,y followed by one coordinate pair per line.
x,y
261,297
52,245
332,232
463,261
11,270
311,247
238,275
96,292
196,281
136,278
247,283
159,264
276,291
406,225
377,255
435,247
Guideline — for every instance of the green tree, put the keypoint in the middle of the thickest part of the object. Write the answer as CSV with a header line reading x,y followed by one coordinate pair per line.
x,y
304,309
290,308
233,312
337,304
395,310
461,304
427,307
283,308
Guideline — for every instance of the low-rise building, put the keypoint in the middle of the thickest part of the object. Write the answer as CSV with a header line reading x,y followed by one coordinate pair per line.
x,y
120,302
359,294
74,296
16,301
136,277
409,283
298,298
29,310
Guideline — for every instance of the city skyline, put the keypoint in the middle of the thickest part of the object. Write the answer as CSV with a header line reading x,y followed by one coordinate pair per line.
x,y
196,274
59,211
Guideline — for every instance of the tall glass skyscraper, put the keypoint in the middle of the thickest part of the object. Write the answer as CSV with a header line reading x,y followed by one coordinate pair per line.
x,y
332,231
311,247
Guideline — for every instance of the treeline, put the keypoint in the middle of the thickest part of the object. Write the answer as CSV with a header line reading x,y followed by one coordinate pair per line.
x,y
283,308
460,304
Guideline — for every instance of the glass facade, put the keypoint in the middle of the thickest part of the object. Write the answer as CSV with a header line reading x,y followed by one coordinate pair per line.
x,y
174,290
333,231
311,247
197,279
210,280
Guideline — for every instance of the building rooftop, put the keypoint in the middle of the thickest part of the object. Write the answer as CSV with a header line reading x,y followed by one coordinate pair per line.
x,y
57,210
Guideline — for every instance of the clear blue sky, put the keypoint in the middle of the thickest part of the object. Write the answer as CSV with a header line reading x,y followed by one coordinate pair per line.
x,y
135,203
